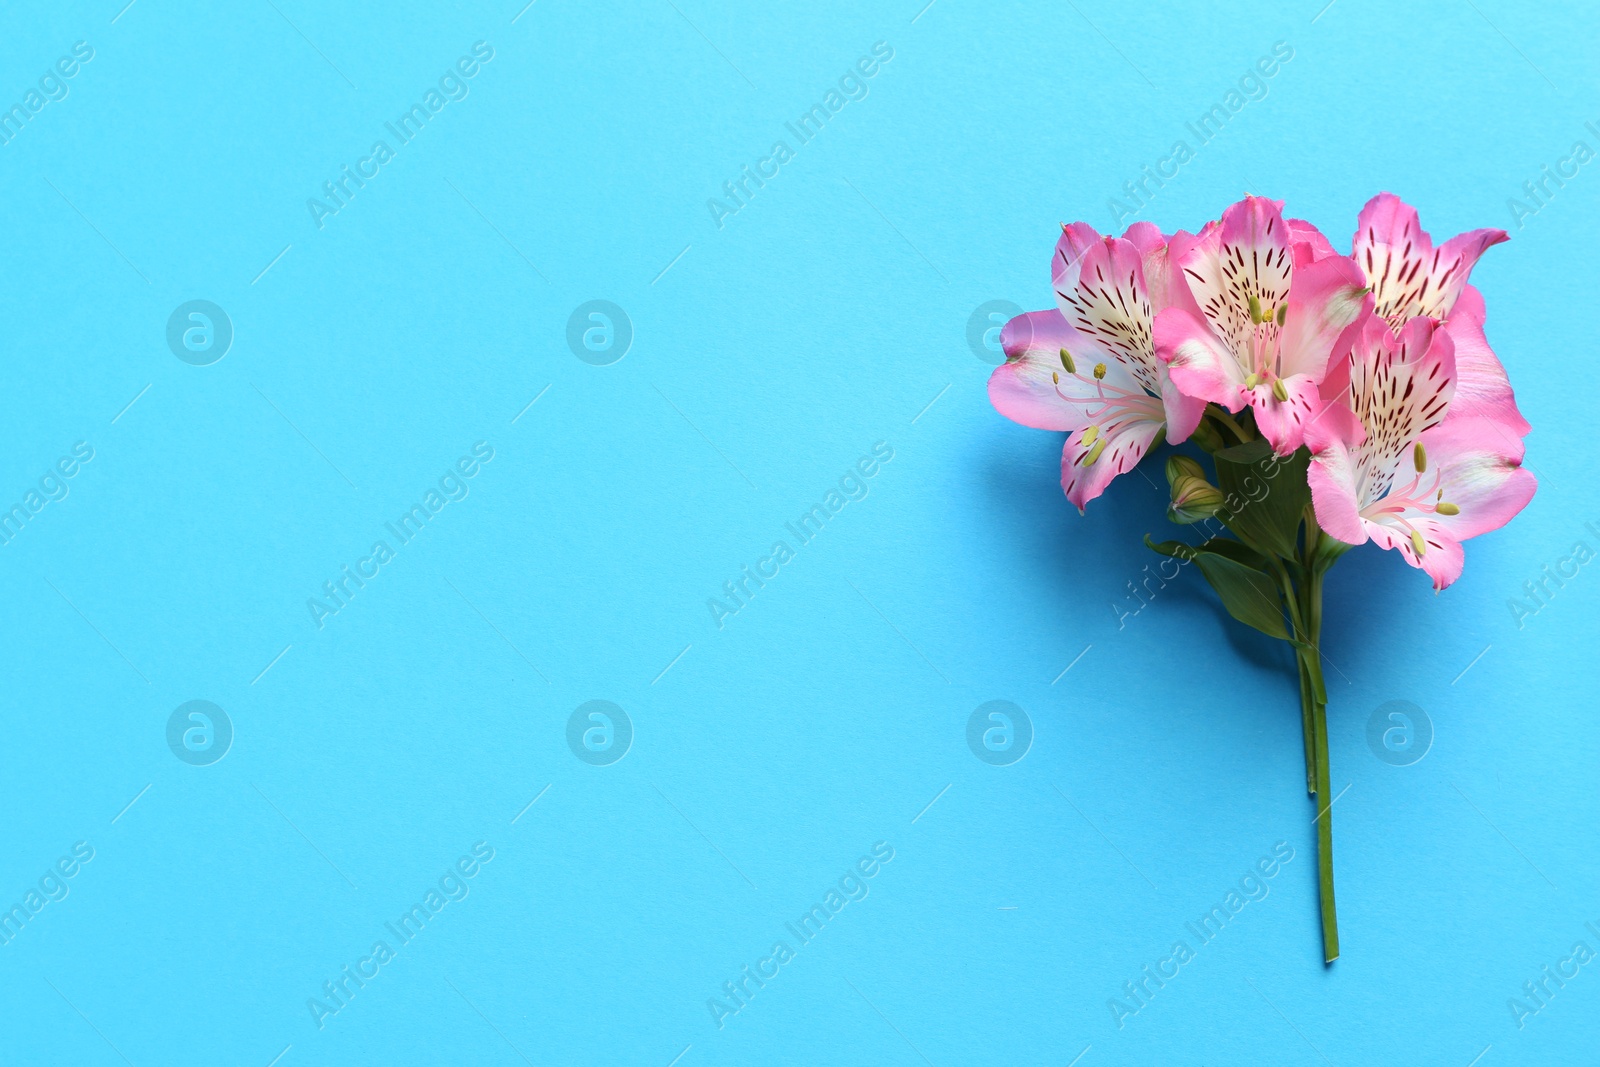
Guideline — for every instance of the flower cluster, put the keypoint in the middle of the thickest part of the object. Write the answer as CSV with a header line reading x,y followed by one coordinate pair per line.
x,y
1375,362
1340,398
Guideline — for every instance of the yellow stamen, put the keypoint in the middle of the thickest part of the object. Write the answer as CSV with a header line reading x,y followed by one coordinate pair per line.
x,y
1418,545
1444,507
1066,361
1090,434
1099,371
1283,313
1094,453
1279,391
1255,309
1419,458
1252,381
1054,377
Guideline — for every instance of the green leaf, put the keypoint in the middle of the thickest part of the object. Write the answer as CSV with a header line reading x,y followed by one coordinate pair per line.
x,y
1266,496
1175,549
1249,595
1237,551
1249,452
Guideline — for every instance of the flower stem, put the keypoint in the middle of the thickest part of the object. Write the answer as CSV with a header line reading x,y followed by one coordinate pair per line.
x,y
1307,697
1314,695
1216,412
1330,922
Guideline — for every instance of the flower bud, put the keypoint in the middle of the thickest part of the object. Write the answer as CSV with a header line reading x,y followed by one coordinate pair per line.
x,y
1180,467
1193,498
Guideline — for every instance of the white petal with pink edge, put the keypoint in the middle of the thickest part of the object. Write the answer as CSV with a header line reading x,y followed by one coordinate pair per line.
x,y
1244,258
1399,388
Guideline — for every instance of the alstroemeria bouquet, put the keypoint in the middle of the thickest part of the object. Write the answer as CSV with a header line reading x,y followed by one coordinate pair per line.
x,y
1341,399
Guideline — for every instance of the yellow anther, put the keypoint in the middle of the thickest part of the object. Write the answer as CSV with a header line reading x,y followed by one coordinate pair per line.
x,y
1066,361
1090,434
1279,391
1419,458
1418,545
1444,507
1099,371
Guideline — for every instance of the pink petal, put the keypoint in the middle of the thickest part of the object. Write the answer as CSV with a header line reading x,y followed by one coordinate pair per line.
x,y
1200,364
1482,388
1120,450
1441,559
1326,299
1471,464
1333,475
1034,387
1307,242
1183,412
1075,240
1146,237
1283,422
1481,473
1333,500
1334,426
1410,277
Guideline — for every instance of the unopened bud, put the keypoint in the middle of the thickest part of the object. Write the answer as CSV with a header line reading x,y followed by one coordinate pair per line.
x,y
1180,467
1193,498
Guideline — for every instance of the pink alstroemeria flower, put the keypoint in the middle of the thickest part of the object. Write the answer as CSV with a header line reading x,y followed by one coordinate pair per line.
x,y
1410,277
1274,304
1387,465
1090,366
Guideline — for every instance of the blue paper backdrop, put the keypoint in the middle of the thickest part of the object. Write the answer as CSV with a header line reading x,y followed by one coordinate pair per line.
x,y
822,330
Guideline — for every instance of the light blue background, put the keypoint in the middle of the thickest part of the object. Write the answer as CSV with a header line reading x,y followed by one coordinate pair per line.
x,y
826,715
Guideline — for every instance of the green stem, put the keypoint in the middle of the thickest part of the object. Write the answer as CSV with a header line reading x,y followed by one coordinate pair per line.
x,y
1330,922
1307,696
1315,566
1227,420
